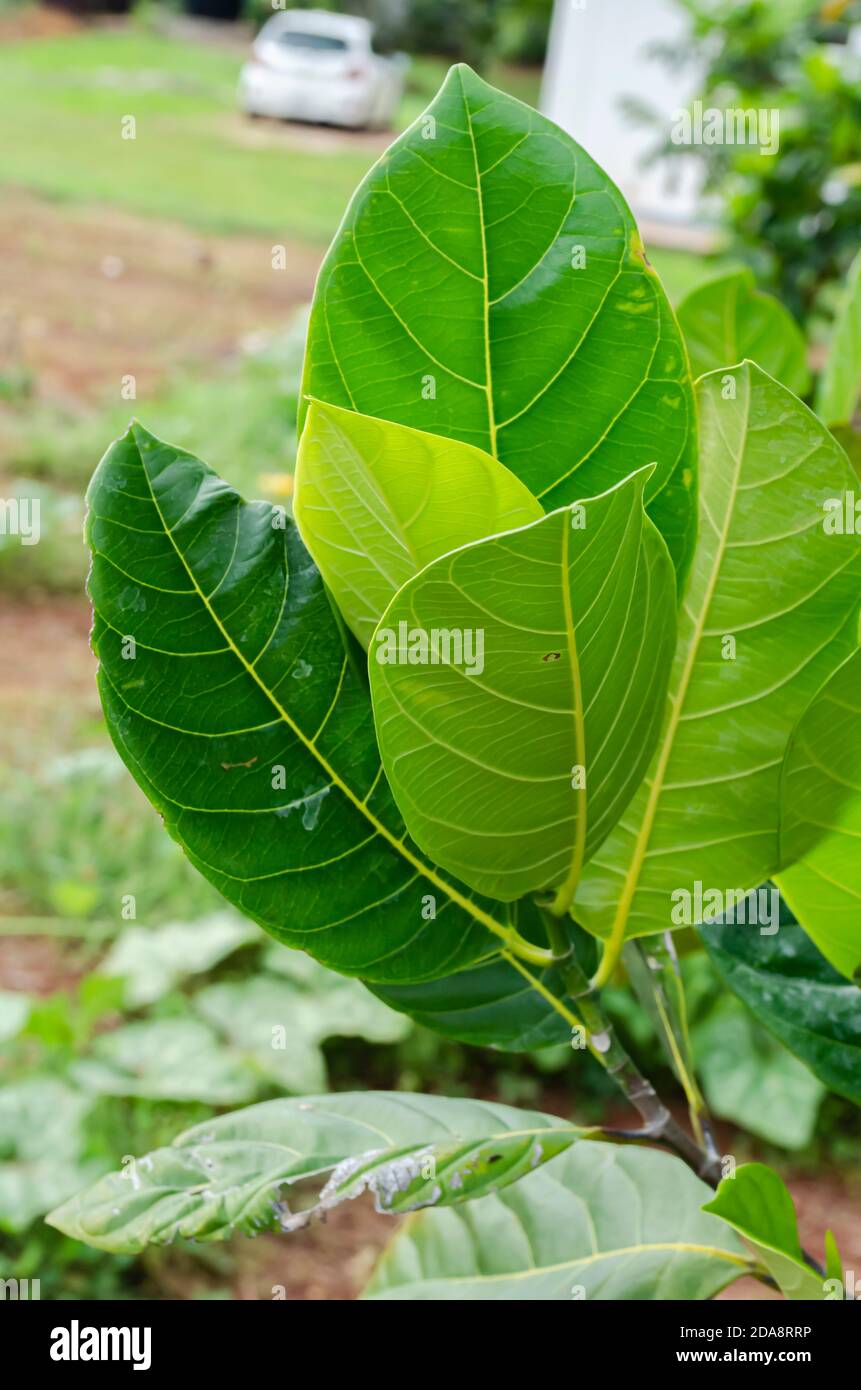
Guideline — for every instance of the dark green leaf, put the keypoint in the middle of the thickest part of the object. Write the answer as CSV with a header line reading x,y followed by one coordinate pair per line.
x,y
228,694
791,989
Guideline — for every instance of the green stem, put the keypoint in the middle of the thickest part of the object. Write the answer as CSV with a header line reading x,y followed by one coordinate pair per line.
x,y
658,1123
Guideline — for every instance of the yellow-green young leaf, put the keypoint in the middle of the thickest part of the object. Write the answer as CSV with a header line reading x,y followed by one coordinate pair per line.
x,y
840,384
729,319
375,502
756,1203
488,283
518,686
234,1172
599,1222
820,833
769,611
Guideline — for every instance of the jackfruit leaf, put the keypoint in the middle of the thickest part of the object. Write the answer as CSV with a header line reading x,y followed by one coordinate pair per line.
x,y
43,1147
166,1059
281,1025
729,319
839,387
153,960
486,275
512,758
768,613
820,831
601,1222
750,1078
375,502
230,1172
756,1202
513,1007
229,696
792,990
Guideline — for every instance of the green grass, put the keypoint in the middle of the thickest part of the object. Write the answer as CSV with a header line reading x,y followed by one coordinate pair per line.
x,y
241,421
194,158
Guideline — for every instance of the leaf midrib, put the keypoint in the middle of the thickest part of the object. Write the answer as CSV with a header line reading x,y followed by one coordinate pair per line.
x,y
632,877
477,913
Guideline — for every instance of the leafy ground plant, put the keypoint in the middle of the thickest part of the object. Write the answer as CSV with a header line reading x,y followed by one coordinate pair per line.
x,y
555,671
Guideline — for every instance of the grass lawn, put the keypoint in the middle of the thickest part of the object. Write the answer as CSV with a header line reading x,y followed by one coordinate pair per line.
x,y
195,163
195,158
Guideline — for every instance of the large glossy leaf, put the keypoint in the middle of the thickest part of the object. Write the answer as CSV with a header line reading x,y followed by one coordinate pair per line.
x,y
756,1203
820,833
375,502
489,1005
500,1003
751,1079
768,613
228,694
486,276
511,767
230,1173
599,1223
729,319
839,386
791,989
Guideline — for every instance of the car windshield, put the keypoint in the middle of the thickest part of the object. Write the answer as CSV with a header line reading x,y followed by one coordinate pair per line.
x,y
319,43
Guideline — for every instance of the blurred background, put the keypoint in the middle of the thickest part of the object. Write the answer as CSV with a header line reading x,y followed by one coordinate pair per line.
x,y
161,224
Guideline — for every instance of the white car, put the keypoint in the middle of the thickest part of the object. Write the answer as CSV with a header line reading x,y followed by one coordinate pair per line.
x,y
310,65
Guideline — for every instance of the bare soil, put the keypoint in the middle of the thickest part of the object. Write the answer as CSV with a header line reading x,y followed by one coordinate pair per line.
x,y
90,295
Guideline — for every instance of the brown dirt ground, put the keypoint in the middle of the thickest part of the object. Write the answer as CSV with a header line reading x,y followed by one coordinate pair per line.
x,y
90,295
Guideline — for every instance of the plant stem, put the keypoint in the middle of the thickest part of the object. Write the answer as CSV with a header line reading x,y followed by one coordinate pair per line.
x,y
658,1123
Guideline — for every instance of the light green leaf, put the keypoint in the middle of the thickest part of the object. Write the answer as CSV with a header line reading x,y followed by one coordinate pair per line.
x,y
152,960
375,502
42,1148
602,1222
839,386
485,275
228,694
750,1079
280,1024
229,1173
757,1204
264,1021
729,319
332,1006
512,759
820,831
165,1059
793,991
768,613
